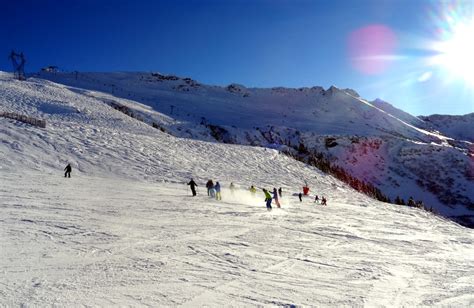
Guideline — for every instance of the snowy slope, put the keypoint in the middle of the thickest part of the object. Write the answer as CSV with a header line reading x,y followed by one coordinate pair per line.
x,y
124,229
99,140
97,241
398,113
411,159
458,127
331,111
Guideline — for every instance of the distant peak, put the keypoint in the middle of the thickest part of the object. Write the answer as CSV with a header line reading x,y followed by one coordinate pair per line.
x,y
318,89
351,92
379,101
236,88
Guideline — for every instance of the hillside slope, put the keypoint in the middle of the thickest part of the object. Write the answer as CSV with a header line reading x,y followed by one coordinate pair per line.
x,y
458,127
375,142
331,111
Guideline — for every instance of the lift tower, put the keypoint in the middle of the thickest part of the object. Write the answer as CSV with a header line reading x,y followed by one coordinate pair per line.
x,y
18,61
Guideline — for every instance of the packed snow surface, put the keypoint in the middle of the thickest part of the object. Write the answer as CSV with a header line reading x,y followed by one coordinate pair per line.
x,y
109,241
125,230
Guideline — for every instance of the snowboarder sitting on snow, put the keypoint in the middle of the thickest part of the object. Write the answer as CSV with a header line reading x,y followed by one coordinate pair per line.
x,y
268,199
275,196
323,201
217,187
68,170
300,195
209,185
193,187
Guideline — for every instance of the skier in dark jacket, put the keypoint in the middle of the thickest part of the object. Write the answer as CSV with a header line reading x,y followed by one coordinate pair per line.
x,y
300,195
68,170
193,187
209,185
279,192
323,201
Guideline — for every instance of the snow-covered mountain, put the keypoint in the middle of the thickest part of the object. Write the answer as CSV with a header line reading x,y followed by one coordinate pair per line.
x,y
457,127
398,153
125,231
399,114
331,111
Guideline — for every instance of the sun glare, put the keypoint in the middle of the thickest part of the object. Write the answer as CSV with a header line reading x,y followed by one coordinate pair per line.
x,y
456,54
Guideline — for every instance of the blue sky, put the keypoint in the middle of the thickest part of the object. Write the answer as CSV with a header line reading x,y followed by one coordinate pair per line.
x,y
255,43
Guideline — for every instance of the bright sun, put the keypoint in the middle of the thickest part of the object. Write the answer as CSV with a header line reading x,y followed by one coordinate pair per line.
x,y
456,54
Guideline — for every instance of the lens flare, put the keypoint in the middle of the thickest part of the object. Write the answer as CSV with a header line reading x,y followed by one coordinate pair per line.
x,y
454,24
456,54
371,48
435,62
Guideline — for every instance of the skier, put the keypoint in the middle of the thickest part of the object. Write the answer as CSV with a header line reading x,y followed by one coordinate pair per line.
x,y
68,170
275,196
217,187
305,190
209,185
279,192
212,192
316,199
323,201
300,195
253,190
193,187
232,188
268,199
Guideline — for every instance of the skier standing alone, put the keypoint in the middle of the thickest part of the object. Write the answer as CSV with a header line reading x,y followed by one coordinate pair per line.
x,y
193,187
68,170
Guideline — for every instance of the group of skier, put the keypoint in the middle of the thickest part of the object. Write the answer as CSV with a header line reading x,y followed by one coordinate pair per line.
x,y
214,191
269,198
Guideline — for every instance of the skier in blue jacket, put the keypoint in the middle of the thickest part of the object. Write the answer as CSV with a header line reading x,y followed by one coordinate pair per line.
x,y
217,187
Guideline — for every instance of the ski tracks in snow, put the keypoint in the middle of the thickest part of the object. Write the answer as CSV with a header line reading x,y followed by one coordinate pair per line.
x,y
103,241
